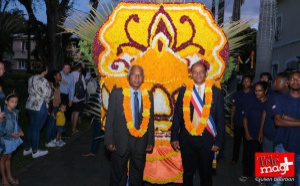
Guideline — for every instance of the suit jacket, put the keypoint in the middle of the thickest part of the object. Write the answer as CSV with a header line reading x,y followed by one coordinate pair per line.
x,y
116,131
178,130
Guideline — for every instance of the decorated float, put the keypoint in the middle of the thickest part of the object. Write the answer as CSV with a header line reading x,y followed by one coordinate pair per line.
x,y
166,39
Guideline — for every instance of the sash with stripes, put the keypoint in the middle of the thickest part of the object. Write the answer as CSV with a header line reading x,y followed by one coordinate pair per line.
x,y
198,105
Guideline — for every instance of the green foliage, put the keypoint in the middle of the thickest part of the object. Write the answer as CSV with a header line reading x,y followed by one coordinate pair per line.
x,y
10,23
85,28
229,69
18,76
86,49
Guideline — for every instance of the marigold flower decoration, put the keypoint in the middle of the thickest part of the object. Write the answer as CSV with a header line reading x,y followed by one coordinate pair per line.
x,y
146,112
197,131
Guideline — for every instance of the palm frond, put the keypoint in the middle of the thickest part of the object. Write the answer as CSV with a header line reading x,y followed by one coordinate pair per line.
x,y
232,29
85,26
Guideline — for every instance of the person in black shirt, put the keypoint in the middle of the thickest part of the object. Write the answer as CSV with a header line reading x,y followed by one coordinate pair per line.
x,y
238,101
252,116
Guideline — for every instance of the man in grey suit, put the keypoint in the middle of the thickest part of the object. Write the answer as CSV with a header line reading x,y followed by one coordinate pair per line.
x,y
119,141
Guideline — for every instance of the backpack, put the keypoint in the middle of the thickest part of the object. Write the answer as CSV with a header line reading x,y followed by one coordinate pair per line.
x,y
79,88
91,86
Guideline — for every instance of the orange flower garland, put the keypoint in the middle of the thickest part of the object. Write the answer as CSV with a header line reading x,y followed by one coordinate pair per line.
x,y
146,112
197,131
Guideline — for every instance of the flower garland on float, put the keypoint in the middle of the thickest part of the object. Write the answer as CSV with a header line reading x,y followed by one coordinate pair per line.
x,y
164,39
146,111
197,131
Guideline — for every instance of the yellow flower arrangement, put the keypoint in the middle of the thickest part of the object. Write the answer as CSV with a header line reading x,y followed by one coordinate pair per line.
x,y
197,131
165,181
146,112
165,39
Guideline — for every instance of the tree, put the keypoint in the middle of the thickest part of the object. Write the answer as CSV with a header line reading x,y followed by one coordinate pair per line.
x,y
56,11
265,37
95,4
3,5
221,10
236,11
10,23
213,7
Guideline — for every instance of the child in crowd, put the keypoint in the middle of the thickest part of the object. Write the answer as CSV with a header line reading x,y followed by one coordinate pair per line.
x,y
60,124
2,126
2,95
2,114
12,138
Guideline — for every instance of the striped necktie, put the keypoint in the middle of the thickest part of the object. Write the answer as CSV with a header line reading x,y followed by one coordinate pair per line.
x,y
196,117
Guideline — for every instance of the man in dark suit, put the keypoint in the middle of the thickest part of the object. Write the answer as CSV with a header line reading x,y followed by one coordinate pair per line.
x,y
198,151
118,140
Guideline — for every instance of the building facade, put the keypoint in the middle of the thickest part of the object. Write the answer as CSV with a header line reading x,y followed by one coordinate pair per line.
x,y
286,47
20,48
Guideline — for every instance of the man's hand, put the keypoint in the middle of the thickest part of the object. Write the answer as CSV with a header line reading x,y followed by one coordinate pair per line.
x,y
260,137
215,148
175,145
149,148
231,126
111,147
64,82
248,136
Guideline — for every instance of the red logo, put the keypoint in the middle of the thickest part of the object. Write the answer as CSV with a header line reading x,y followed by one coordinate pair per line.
x,y
275,164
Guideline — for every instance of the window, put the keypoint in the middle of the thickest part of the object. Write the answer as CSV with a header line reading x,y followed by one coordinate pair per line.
x,y
24,46
22,64
278,28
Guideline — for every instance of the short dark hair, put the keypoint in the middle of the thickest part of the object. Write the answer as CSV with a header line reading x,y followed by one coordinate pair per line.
x,y
266,74
61,104
247,76
294,72
11,95
263,84
283,75
66,63
39,68
77,66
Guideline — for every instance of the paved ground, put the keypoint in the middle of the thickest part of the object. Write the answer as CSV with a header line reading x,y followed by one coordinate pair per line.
x,y
66,166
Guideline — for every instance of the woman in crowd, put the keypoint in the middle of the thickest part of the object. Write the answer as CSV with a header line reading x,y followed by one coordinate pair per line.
x,y
37,103
252,116
54,80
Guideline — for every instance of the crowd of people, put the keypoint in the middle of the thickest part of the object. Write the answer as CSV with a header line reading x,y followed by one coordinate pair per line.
x,y
52,101
54,98
266,120
262,118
